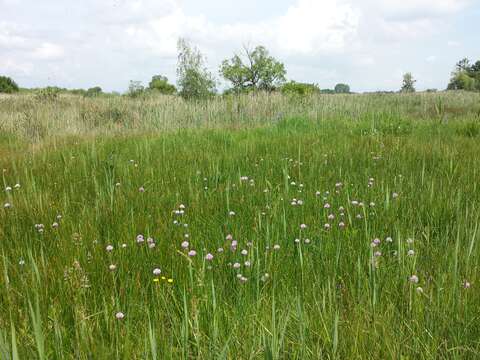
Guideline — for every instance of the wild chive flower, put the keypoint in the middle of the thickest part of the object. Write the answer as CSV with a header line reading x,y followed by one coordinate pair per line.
x,y
231,213
141,189
419,290
243,279
157,271
394,195
377,254
140,239
410,252
409,241
276,247
326,206
236,265
229,237
244,252
7,205
112,267
8,188
17,186
209,257
220,250
303,226
109,248
119,315
185,244
297,241
306,241
331,217
55,225
389,239
413,279
124,246
21,262
466,284
247,263
326,226
341,224
192,253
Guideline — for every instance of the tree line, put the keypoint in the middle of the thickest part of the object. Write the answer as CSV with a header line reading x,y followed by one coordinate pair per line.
x,y
250,71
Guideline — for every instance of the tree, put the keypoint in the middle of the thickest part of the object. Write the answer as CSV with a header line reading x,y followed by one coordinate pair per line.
x,y
466,76
7,85
194,80
135,88
408,85
259,71
160,83
94,91
342,89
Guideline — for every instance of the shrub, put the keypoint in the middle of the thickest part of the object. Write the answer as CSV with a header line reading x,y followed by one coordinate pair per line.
x,y
7,85
295,88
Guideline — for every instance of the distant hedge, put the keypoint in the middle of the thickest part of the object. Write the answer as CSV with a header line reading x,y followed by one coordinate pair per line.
x,y
7,85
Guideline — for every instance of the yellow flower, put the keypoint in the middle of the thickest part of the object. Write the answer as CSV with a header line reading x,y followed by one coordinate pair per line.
x,y
156,280
164,278
170,281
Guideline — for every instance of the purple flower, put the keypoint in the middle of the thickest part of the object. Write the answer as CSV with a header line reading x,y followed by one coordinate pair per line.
x,y
209,257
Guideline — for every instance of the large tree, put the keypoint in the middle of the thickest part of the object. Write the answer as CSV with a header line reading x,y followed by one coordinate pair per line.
x,y
160,83
342,89
408,85
7,85
466,76
256,70
193,78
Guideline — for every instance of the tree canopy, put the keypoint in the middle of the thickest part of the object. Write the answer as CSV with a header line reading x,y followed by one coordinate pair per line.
x,y
466,76
408,84
193,78
160,84
7,85
256,70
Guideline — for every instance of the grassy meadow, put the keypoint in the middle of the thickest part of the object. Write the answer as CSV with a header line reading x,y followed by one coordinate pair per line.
x,y
251,227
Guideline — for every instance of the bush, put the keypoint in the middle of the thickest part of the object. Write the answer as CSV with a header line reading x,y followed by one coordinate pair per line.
x,y
342,89
94,91
50,93
302,89
7,85
160,84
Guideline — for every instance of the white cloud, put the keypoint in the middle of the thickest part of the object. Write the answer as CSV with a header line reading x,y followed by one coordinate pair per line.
x,y
112,41
48,51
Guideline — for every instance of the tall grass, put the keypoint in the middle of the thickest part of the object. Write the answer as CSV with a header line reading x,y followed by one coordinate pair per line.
x,y
385,166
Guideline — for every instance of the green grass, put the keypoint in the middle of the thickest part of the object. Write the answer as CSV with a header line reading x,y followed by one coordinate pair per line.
x,y
331,298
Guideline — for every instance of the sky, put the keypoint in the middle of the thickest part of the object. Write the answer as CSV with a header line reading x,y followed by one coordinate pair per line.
x,y
368,44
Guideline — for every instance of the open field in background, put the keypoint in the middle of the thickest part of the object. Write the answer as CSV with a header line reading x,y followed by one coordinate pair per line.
x,y
32,119
348,226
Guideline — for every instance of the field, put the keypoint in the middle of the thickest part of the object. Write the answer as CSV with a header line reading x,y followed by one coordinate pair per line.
x,y
256,227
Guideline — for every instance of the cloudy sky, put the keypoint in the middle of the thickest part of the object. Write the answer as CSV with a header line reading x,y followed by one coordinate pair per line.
x,y
366,43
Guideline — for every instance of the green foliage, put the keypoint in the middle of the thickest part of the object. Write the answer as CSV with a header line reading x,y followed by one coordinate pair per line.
x,y
466,76
135,89
342,89
259,71
7,85
408,85
48,94
194,80
302,89
93,91
160,84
